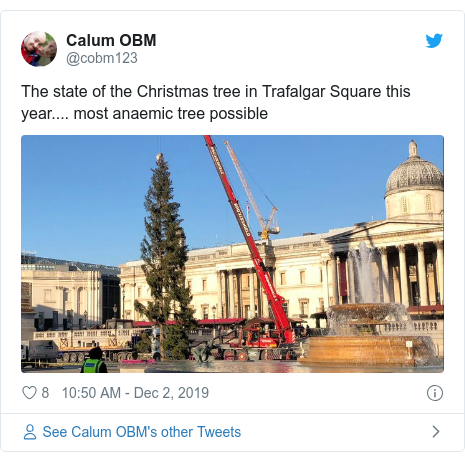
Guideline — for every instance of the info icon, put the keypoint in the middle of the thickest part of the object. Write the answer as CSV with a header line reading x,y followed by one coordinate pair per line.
x,y
434,393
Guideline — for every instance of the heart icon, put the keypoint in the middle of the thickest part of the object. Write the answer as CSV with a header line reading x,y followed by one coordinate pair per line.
x,y
29,391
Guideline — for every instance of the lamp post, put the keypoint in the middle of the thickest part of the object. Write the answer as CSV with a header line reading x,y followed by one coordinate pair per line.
x,y
417,302
124,295
115,309
85,319
214,318
71,312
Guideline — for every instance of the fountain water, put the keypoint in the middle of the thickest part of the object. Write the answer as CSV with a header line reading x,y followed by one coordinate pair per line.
x,y
366,291
355,336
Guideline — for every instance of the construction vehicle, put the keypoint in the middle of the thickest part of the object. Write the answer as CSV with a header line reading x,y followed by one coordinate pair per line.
x,y
252,343
270,226
117,340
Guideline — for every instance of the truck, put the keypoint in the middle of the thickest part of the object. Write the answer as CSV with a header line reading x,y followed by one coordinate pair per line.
x,y
117,339
38,352
252,343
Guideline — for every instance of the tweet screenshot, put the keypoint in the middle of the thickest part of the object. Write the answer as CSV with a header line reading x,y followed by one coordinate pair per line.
x,y
280,285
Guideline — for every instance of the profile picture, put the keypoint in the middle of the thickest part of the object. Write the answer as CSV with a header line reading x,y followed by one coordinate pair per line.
x,y
38,49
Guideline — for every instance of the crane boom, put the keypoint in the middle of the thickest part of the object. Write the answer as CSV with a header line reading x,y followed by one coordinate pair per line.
x,y
275,300
266,226
232,154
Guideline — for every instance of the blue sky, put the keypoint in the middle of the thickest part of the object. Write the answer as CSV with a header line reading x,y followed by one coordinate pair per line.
x,y
82,196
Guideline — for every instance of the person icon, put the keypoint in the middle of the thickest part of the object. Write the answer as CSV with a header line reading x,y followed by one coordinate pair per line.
x,y
30,433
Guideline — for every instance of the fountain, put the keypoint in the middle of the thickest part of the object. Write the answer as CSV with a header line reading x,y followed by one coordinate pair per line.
x,y
355,335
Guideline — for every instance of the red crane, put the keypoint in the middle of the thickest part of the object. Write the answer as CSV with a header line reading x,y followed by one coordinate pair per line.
x,y
286,334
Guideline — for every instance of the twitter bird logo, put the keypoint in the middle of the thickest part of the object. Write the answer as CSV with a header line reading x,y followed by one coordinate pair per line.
x,y
433,42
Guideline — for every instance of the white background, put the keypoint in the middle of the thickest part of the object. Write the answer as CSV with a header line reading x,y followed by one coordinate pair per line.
x,y
204,48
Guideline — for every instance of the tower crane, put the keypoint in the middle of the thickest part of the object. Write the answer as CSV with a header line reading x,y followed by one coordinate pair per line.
x,y
270,226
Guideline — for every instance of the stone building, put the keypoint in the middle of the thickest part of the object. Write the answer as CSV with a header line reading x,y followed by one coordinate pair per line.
x,y
67,294
314,271
27,312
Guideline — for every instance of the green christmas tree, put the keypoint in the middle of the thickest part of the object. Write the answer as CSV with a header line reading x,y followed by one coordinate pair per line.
x,y
164,252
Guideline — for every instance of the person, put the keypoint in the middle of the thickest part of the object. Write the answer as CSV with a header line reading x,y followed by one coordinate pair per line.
x,y
308,331
94,363
30,47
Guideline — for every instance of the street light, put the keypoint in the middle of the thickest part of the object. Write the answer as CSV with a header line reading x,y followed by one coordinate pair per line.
x,y
214,317
115,309
124,295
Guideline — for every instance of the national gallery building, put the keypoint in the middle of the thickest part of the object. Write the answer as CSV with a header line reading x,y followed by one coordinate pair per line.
x,y
404,254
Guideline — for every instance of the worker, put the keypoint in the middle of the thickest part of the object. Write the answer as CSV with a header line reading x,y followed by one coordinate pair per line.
x,y
94,363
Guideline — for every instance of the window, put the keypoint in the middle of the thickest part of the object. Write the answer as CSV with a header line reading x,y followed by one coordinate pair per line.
x,y
283,278
304,307
41,321
286,306
321,275
429,204
128,314
302,277
204,284
404,205
139,292
205,311
189,285
47,295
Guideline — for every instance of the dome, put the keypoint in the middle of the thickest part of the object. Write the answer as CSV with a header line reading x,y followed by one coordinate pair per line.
x,y
415,174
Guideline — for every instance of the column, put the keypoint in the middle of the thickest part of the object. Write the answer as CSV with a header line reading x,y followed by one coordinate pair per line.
x,y
385,274
351,278
240,312
264,303
422,274
252,292
335,278
324,264
89,300
259,298
393,282
231,293
440,262
59,308
403,275
72,295
219,295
